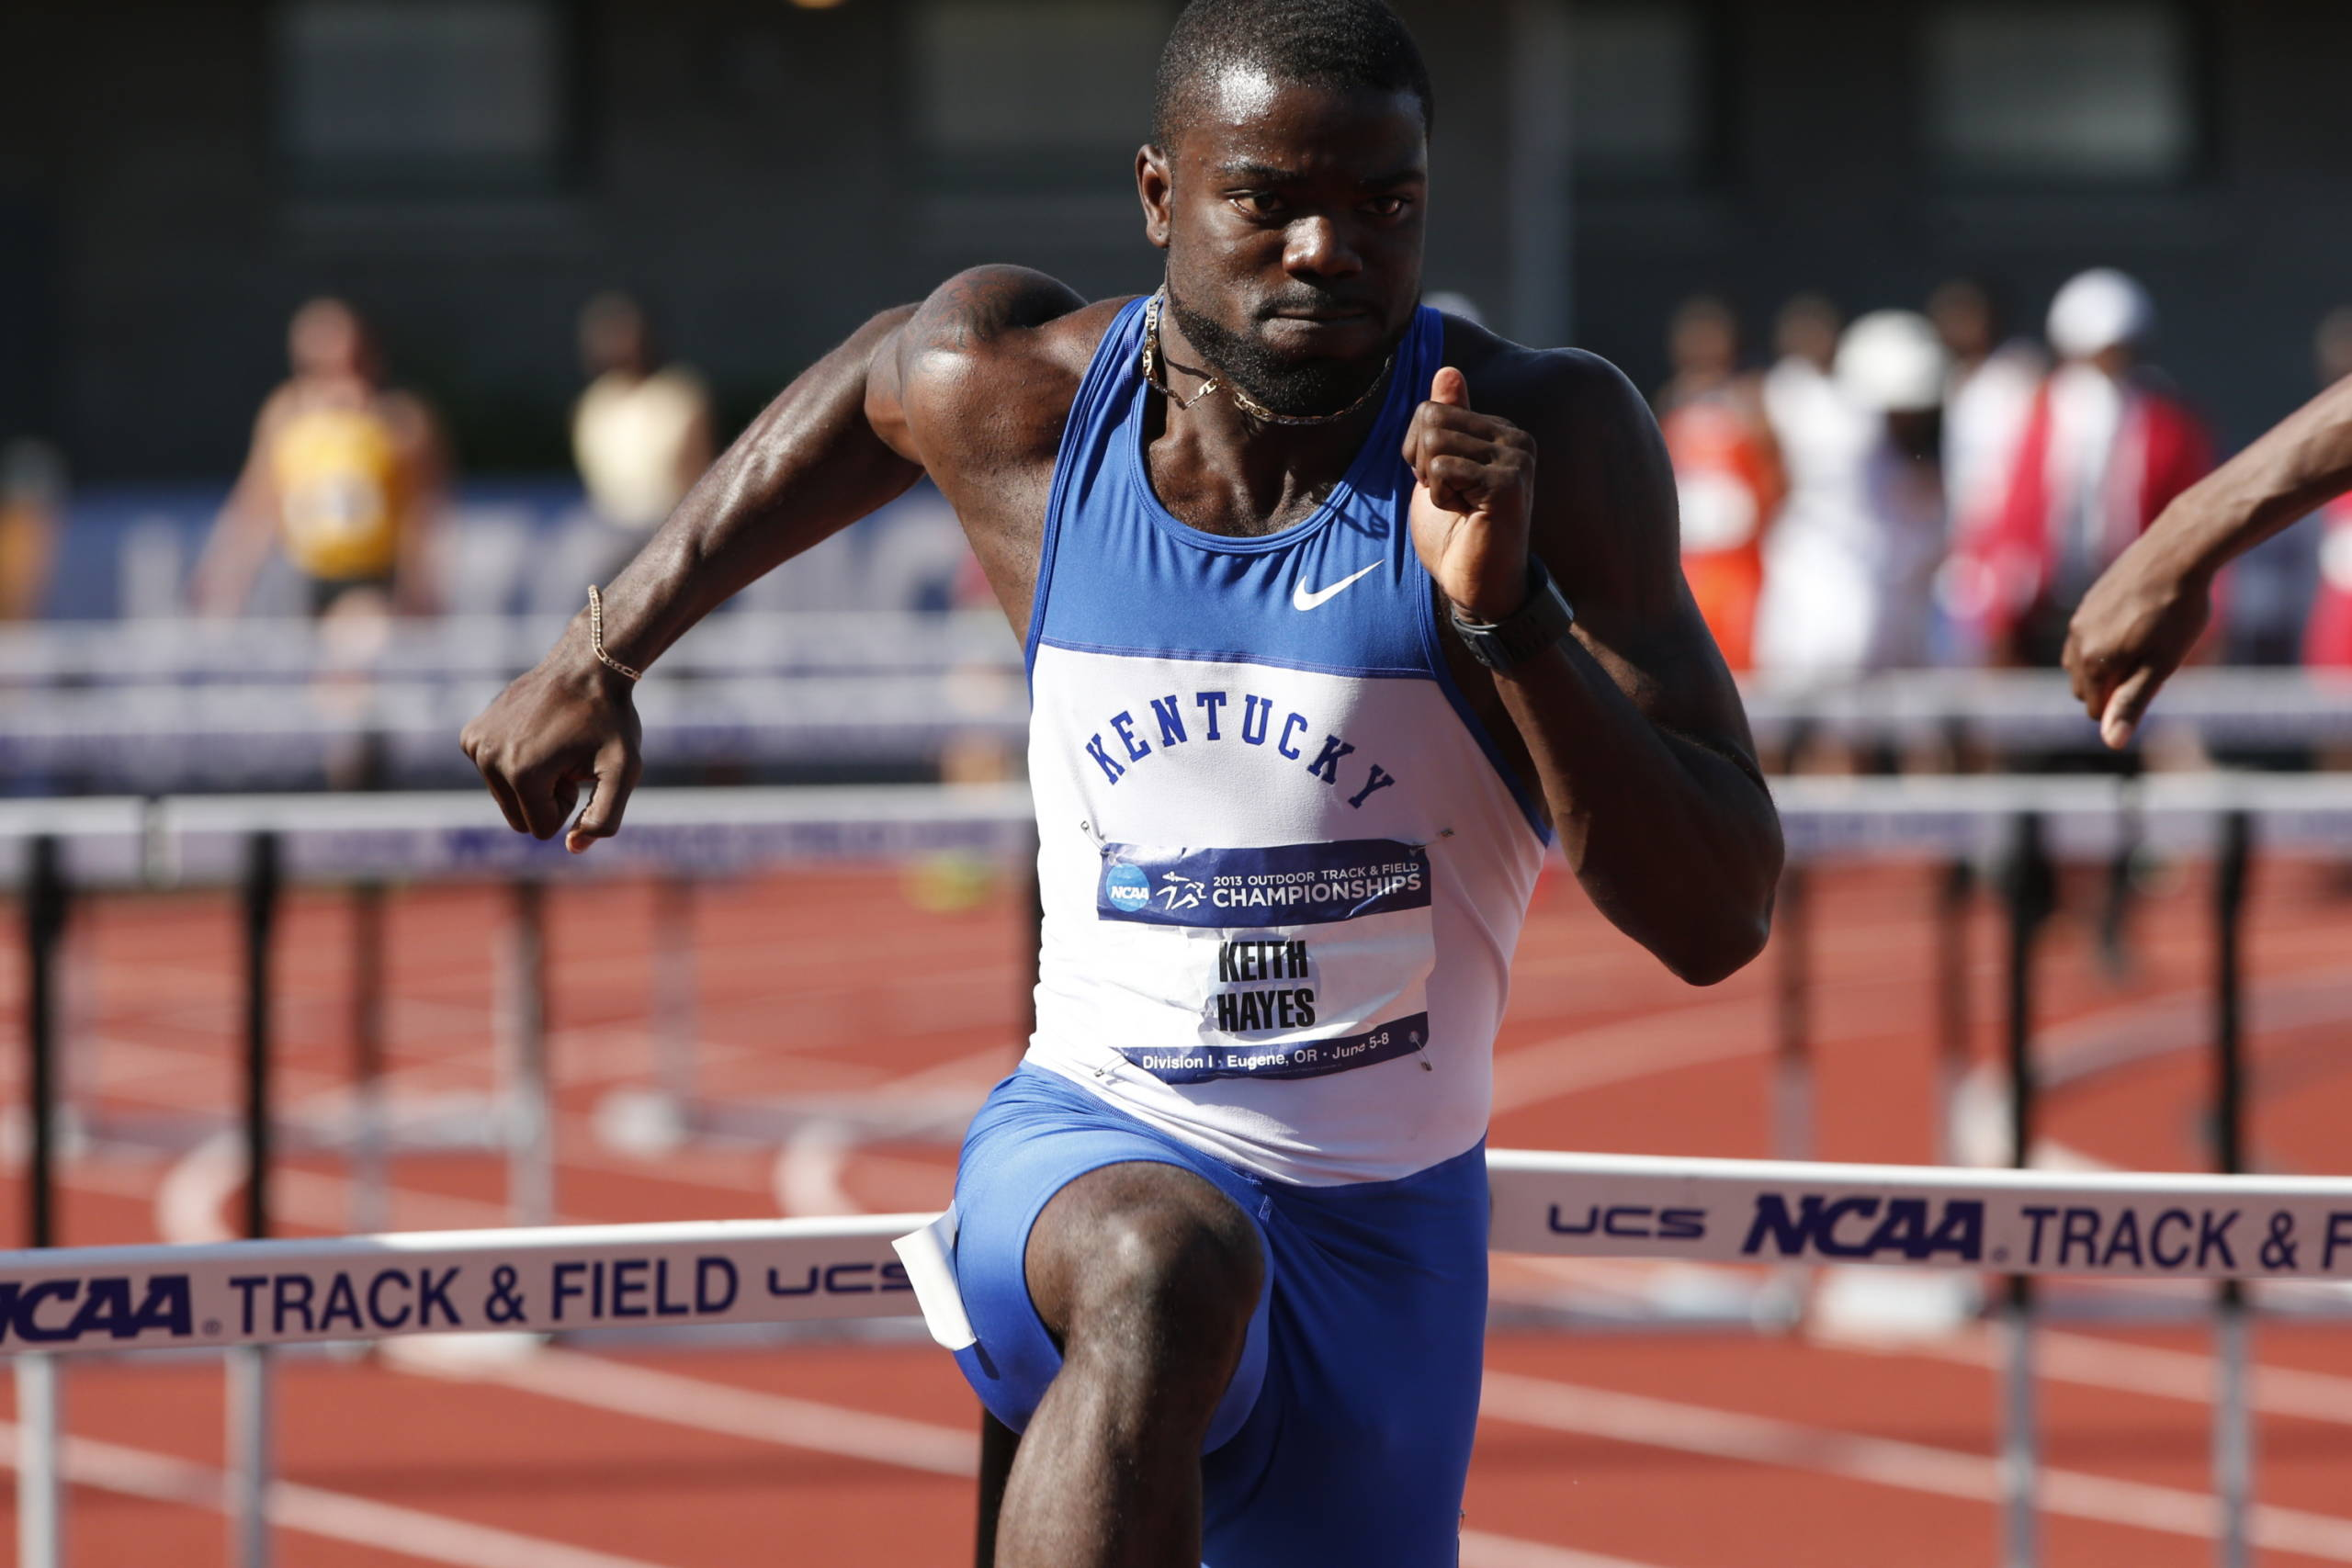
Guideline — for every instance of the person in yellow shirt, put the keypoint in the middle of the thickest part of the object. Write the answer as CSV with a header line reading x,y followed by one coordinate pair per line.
x,y
345,475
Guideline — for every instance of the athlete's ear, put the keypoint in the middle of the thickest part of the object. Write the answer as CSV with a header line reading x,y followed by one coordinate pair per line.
x,y
1156,187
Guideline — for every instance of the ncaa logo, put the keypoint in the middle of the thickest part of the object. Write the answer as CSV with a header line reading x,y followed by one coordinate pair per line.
x,y
1127,887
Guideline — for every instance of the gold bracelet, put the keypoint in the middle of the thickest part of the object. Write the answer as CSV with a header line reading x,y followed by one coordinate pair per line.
x,y
596,636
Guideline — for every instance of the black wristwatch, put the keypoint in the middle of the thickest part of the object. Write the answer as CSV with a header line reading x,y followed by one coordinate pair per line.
x,y
1527,631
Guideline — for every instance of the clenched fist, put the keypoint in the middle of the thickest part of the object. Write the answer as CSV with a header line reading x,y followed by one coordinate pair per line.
x,y
1473,494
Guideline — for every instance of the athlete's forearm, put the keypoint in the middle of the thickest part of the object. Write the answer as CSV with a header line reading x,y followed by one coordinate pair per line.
x,y
809,466
1674,840
2303,461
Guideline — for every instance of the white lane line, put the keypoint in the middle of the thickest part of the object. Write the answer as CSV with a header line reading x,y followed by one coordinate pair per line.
x,y
335,1515
1886,1462
628,1389
1480,1550
2152,1370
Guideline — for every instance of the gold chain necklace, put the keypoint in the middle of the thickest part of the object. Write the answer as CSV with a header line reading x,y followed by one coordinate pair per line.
x,y
1155,375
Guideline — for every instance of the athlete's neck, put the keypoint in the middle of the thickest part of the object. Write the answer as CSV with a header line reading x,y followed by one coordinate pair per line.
x,y
1224,472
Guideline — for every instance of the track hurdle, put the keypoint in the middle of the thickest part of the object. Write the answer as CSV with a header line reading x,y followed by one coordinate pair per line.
x,y
246,1295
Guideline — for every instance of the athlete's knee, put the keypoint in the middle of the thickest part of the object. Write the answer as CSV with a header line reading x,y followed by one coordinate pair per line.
x,y
1156,1265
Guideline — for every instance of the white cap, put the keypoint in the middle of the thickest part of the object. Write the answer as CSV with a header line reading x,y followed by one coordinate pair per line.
x,y
2099,309
1891,362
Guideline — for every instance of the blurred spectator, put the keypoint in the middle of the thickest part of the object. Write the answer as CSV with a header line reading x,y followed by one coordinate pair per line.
x,y
1987,402
1892,367
2327,637
1814,618
32,500
641,431
2106,445
1727,475
345,475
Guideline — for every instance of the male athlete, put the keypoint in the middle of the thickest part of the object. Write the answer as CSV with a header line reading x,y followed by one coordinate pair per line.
x,y
1307,709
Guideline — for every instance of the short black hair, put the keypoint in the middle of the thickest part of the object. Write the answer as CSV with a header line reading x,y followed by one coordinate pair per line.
x,y
1324,43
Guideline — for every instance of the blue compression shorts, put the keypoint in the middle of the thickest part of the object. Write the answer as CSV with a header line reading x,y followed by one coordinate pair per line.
x,y
1344,1436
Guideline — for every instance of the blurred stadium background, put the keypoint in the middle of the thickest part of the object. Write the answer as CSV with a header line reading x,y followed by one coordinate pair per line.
x,y
1704,191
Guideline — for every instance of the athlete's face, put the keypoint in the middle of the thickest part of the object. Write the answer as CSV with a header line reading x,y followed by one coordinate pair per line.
x,y
1292,216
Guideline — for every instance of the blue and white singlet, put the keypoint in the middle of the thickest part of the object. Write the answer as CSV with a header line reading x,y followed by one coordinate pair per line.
x,y
1283,867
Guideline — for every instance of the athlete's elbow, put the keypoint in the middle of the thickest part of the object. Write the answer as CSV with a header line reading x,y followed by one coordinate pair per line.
x,y
1726,946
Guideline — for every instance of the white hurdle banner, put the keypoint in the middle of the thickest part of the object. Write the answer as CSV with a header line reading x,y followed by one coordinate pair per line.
x,y
566,1279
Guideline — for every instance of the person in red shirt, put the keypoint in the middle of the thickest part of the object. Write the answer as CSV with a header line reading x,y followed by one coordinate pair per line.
x,y
2107,445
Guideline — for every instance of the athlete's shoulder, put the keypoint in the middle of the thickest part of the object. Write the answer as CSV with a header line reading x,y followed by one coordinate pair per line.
x,y
1563,395
1604,491
993,314
987,364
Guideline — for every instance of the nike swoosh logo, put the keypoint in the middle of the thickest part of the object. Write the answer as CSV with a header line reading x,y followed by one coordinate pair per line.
x,y
1300,599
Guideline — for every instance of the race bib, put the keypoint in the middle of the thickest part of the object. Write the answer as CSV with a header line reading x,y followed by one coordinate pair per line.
x,y
1287,961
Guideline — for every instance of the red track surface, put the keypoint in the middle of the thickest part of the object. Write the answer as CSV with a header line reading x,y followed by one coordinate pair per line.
x,y
1682,1449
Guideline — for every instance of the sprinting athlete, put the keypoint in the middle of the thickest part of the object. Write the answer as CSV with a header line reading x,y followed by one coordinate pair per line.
x,y
1306,710
345,475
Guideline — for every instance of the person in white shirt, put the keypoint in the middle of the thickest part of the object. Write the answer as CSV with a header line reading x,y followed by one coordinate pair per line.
x,y
641,431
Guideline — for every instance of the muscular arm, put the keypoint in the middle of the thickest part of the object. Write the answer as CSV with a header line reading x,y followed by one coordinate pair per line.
x,y
2146,611
1632,725
848,435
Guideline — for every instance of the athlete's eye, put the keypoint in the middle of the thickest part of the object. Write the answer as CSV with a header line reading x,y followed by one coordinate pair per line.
x,y
1388,206
1258,203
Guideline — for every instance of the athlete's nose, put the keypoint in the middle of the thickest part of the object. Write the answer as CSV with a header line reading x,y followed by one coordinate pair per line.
x,y
1314,247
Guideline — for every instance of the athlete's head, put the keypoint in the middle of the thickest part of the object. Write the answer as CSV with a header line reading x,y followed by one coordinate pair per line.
x,y
327,338
1287,179
616,336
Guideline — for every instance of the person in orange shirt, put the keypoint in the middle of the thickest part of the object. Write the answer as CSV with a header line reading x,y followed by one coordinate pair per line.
x,y
345,475
1726,472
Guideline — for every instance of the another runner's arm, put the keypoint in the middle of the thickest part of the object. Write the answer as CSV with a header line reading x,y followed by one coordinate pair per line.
x,y
246,529
837,444
2145,612
1632,723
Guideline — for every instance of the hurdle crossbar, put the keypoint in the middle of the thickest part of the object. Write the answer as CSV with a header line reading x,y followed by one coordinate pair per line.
x,y
565,1278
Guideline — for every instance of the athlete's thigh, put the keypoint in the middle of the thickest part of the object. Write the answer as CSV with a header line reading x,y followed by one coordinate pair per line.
x,y
1032,1148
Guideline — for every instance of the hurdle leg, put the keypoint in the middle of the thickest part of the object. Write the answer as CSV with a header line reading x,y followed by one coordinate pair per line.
x,y
1953,890
525,1095
41,1493
2029,886
370,1135
248,1381
2020,1431
250,1456
1793,1053
2232,1327
40,1485
676,995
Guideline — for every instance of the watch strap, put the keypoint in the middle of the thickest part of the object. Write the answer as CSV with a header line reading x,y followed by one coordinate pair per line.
x,y
1542,620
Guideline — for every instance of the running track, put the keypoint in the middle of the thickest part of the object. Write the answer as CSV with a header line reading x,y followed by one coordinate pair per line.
x,y
1682,1449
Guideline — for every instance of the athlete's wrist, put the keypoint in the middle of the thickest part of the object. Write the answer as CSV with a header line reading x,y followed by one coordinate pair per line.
x,y
1532,628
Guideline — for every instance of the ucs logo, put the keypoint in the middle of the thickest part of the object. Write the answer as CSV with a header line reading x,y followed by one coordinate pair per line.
x,y
62,1312
1915,1229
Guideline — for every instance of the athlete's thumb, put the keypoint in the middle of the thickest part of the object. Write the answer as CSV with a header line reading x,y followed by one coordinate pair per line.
x,y
2127,706
1450,387
601,817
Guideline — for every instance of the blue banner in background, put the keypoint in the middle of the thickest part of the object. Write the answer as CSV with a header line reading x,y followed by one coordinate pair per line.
x,y
511,547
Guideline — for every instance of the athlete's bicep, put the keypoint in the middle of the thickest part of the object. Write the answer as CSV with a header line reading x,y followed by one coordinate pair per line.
x,y
1608,529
